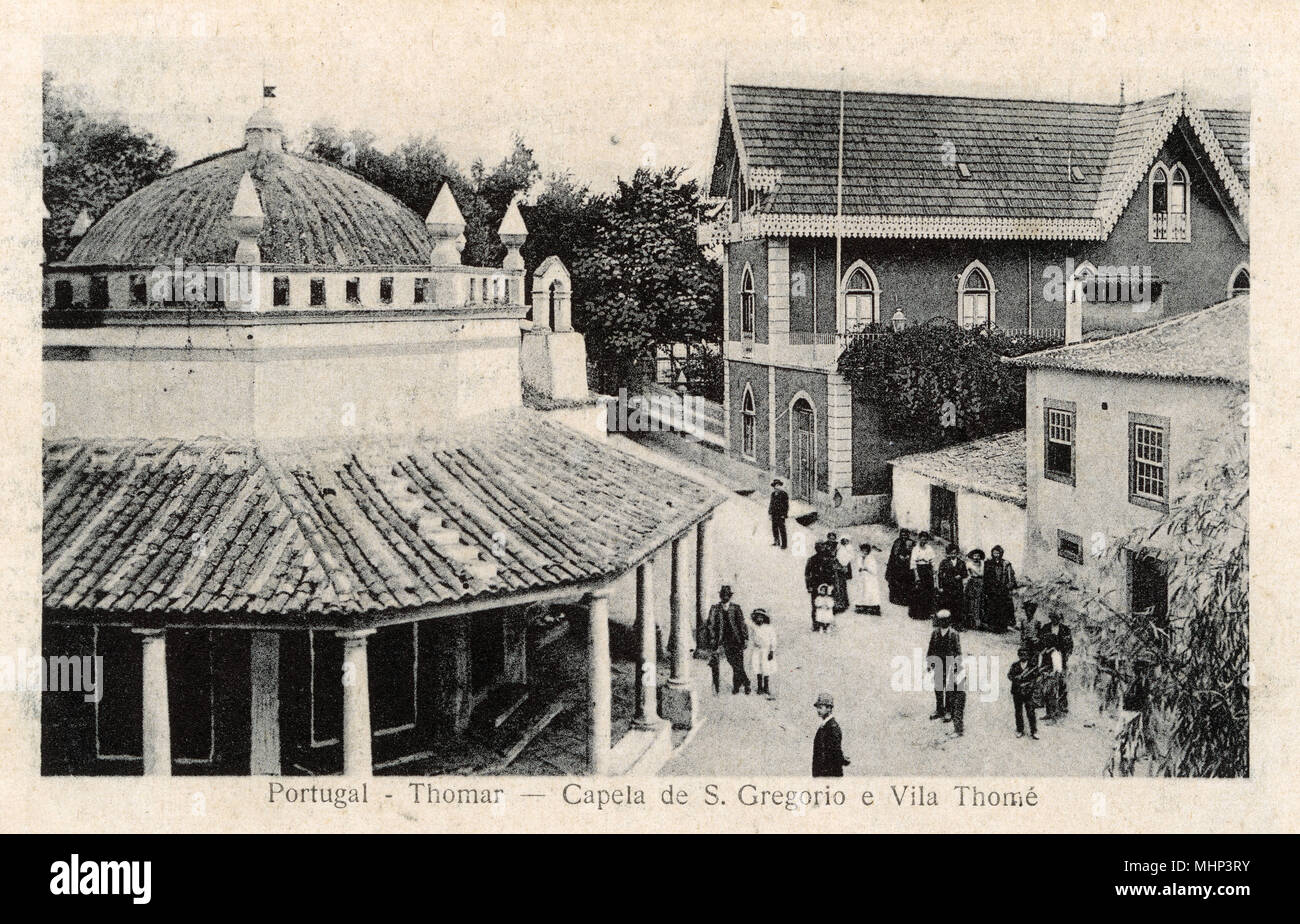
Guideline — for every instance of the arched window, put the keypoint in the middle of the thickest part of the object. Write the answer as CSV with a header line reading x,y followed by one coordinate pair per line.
x,y
748,422
861,305
1240,282
1169,218
975,307
747,304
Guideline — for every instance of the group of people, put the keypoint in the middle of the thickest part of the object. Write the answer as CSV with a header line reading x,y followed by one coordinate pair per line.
x,y
976,592
836,572
749,645
1038,678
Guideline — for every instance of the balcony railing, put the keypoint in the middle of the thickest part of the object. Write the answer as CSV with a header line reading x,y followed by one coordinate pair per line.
x,y
1168,226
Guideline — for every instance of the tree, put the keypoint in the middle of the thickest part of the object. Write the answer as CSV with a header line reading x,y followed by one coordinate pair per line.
x,y
494,190
645,280
1182,676
92,161
941,382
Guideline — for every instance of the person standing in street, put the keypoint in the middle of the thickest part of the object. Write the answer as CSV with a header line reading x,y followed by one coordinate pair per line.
x,y
921,603
735,639
710,641
828,744
762,651
999,584
844,574
1056,635
898,569
819,571
974,602
1022,676
778,508
866,579
941,659
952,580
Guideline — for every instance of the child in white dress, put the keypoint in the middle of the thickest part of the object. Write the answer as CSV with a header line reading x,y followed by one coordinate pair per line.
x,y
762,651
824,608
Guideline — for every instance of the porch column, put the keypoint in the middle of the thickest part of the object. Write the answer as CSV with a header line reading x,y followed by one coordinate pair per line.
x,y
678,699
264,668
703,575
598,684
157,732
839,435
356,704
646,662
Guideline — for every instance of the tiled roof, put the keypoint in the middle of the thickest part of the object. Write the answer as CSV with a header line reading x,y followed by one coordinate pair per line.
x,y
218,530
993,466
1211,345
902,152
316,214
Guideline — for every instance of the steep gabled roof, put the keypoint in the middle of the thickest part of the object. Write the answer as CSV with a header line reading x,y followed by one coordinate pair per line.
x,y
1210,345
250,533
917,165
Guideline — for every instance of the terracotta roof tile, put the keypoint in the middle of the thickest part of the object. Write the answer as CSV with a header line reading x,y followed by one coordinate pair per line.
x,y
256,532
993,466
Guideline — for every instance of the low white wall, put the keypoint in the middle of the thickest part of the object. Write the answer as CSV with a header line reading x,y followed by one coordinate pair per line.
x,y
982,522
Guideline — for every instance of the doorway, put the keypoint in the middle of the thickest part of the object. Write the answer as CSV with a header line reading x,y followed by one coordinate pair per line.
x,y
803,451
943,513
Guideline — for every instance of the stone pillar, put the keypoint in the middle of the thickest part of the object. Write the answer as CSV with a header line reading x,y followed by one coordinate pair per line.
x,y
703,575
264,668
677,704
646,664
157,732
599,693
356,704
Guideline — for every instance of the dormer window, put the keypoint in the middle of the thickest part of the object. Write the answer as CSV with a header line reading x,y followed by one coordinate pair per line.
x,y
1170,204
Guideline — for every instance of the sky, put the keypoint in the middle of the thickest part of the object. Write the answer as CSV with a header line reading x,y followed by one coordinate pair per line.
x,y
601,88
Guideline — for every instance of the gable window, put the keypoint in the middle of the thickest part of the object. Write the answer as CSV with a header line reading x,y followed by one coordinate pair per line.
x,y
1239,284
1170,203
861,308
318,290
975,305
280,291
421,290
1058,440
385,290
748,424
1148,462
352,291
1069,546
747,305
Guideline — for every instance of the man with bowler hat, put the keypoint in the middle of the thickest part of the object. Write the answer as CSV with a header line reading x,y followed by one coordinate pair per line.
x,y
778,508
828,753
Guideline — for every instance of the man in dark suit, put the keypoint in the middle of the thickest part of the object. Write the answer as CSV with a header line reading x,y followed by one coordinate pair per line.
x,y
828,753
942,657
733,635
778,508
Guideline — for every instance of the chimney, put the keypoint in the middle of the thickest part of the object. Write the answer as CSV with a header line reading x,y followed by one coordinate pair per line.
x,y
246,220
447,226
513,232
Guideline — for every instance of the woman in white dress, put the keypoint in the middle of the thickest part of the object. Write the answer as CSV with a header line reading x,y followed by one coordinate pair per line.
x,y
867,578
762,651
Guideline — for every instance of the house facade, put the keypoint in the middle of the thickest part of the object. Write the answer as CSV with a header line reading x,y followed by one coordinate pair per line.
x,y
1063,220
296,500
1114,431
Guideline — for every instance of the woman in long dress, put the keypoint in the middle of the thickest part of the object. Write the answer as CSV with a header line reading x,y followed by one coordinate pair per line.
x,y
843,574
921,605
866,577
999,582
898,570
974,607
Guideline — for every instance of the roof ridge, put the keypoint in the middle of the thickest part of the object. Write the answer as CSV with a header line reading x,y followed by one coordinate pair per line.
x,y
949,96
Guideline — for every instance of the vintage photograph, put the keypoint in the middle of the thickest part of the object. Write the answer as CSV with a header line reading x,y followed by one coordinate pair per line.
x,y
475,390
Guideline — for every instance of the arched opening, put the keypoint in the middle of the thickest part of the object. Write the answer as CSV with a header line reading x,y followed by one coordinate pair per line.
x,y
554,297
748,423
975,305
747,303
803,448
1239,284
860,305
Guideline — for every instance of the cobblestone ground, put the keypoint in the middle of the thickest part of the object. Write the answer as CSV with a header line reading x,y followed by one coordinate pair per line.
x,y
886,732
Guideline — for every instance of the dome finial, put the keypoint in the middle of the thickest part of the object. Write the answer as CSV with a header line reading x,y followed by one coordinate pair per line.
x,y
446,224
247,218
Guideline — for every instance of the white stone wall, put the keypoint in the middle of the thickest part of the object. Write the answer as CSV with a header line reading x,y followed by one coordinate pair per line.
x,y
839,434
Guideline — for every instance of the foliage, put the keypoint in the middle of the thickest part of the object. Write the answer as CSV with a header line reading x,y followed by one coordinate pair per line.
x,y
645,279
940,382
92,161
1182,679
703,370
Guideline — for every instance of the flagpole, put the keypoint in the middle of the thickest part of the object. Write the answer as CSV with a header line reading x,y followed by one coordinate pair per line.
x,y
839,212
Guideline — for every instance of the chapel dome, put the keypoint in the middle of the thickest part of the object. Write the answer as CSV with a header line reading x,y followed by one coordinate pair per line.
x,y
316,214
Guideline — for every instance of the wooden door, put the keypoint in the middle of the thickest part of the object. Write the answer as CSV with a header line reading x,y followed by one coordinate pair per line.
x,y
803,456
943,513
